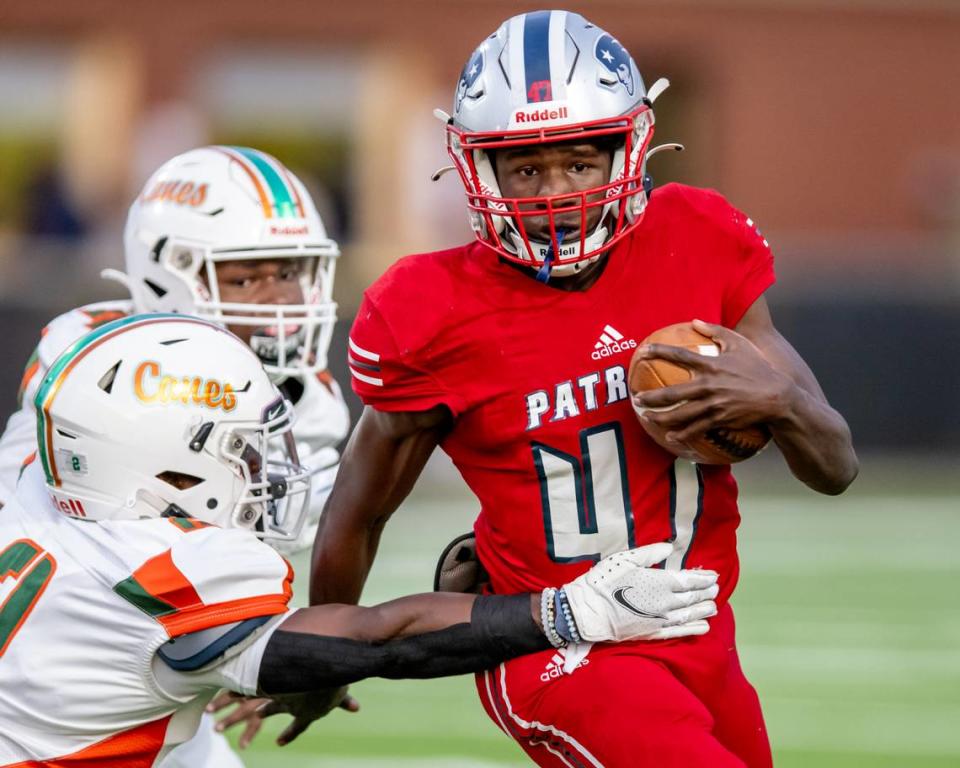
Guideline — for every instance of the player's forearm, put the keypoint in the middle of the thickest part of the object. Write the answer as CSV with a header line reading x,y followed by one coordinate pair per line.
x,y
816,443
410,615
341,561
813,438
432,636
349,531
380,464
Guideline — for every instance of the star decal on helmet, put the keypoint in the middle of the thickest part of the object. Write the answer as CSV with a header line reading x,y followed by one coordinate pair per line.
x,y
468,77
616,60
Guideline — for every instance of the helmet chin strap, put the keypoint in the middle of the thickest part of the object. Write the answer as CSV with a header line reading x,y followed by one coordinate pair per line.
x,y
543,274
516,245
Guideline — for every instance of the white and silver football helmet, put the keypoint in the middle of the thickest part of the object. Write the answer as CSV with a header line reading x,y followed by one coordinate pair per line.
x,y
220,204
547,77
166,415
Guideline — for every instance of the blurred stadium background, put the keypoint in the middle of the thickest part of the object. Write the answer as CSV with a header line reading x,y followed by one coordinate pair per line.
x,y
834,123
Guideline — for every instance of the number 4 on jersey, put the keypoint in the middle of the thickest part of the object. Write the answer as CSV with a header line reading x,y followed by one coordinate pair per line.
x,y
587,513
586,507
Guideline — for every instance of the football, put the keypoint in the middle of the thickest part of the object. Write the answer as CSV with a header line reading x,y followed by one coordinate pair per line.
x,y
720,445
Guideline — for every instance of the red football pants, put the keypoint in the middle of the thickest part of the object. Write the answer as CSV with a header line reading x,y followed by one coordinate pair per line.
x,y
682,703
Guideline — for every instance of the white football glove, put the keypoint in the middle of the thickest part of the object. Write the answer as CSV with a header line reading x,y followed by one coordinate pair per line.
x,y
623,598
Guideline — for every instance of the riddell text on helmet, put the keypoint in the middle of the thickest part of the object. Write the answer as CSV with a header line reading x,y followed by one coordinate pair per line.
x,y
289,229
536,115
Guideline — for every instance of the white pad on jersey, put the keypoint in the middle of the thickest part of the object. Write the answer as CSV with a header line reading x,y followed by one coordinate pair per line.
x,y
624,598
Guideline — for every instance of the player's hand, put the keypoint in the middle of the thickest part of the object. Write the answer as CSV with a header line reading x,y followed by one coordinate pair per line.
x,y
737,388
624,598
307,707
246,711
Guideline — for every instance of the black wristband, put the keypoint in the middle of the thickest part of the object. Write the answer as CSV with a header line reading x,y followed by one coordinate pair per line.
x,y
500,629
504,626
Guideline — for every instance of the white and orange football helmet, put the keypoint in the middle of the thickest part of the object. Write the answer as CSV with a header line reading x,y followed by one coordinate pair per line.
x,y
166,415
547,77
217,204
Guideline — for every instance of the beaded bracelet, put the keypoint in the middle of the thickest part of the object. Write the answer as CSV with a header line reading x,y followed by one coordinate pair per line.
x,y
564,615
548,617
546,597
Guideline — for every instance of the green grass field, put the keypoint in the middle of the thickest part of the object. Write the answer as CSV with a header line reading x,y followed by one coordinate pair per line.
x,y
848,618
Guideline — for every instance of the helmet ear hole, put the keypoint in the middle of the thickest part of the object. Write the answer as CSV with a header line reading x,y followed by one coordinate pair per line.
x,y
157,248
179,480
157,289
106,381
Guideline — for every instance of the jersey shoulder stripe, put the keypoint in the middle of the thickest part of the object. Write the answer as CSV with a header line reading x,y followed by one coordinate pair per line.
x,y
161,590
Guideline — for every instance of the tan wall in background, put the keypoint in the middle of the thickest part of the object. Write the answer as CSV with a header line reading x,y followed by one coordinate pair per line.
x,y
820,118
104,97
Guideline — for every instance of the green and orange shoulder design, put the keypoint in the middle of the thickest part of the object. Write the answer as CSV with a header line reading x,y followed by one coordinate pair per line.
x,y
161,590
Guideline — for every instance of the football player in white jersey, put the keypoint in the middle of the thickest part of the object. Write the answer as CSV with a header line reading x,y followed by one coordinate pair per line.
x,y
135,580
230,234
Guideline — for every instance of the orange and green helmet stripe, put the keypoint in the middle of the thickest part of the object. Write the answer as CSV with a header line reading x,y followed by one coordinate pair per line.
x,y
53,380
278,194
33,365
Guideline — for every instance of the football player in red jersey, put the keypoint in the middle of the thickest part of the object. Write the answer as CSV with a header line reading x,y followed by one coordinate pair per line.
x,y
511,354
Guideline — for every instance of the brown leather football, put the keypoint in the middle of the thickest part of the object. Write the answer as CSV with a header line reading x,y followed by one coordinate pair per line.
x,y
721,445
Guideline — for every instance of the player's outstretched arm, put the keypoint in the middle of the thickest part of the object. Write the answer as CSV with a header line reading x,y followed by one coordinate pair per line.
x,y
328,646
382,461
419,636
439,634
759,377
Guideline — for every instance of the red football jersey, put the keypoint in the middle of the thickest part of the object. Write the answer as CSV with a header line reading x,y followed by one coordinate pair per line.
x,y
544,431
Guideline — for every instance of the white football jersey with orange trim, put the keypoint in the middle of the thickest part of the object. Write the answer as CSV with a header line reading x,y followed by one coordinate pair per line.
x,y
85,607
19,440
322,416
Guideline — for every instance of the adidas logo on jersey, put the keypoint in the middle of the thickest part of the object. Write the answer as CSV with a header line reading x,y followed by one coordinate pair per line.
x,y
611,341
554,668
